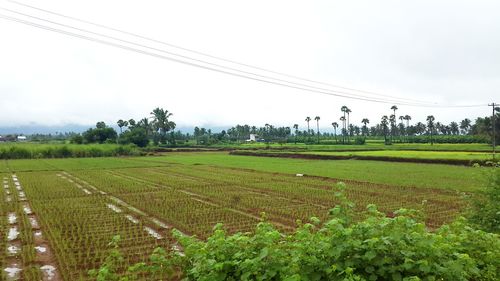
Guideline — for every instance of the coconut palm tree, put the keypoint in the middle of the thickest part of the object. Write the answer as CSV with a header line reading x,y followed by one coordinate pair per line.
x,y
161,123
308,119
335,126
296,127
365,129
465,126
317,125
430,125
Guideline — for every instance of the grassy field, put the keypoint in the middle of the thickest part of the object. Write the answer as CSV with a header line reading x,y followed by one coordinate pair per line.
x,y
459,155
391,173
82,203
368,146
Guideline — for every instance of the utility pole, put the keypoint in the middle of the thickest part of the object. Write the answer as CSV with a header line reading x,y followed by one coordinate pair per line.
x,y
493,115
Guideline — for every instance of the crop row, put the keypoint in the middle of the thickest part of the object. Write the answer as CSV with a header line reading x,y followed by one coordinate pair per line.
x,y
79,225
4,207
220,183
194,198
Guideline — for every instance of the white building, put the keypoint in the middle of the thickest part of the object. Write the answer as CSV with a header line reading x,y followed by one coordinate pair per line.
x,y
252,138
21,138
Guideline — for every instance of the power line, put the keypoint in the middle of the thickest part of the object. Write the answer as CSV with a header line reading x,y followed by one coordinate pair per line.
x,y
280,83
201,53
200,61
180,61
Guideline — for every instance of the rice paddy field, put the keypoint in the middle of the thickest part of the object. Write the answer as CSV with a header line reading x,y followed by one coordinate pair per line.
x,y
59,215
462,155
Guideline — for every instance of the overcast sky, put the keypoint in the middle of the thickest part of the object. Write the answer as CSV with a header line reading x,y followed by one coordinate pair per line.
x,y
445,52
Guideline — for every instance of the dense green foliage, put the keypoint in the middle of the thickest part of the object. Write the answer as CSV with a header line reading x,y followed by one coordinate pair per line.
x,y
36,151
100,134
137,136
485,213
376,248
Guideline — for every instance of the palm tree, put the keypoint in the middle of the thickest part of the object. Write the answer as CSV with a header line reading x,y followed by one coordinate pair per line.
x,y
394,108
308,119
407,118
365,129
342,118
465,126
161,123
296,127
344,127
121,124
348,110
430,125
402,126
384,123
146,125
317,125
454,128
335,126
392,120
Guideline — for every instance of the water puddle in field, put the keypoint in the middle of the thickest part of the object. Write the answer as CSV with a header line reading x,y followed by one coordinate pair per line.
x,y
86,191
27,210
178,250
6,186
135,210
114,208
13,233
38,233
159,223
153,233
22,194
7,192
13,249
8,199
132,219
12,272
48,271
18,187
12,218
34,222
41,249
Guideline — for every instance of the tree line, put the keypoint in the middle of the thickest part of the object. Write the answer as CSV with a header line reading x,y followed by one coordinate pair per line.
x,y
158,128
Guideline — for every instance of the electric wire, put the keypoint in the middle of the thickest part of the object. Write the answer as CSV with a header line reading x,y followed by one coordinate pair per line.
x,y
280,83
201,53
199,61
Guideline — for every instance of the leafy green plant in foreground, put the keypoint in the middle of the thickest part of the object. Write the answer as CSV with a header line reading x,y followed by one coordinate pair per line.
x,y
377,248
485,211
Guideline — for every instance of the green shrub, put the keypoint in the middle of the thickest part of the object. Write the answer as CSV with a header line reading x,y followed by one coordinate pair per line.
x,y
485,211
376,248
